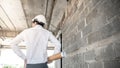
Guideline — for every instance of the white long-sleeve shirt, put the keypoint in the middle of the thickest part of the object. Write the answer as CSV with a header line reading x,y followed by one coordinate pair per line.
x,y
36,40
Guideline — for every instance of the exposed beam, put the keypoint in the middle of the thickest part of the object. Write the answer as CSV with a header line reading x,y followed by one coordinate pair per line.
x,y
46,7
22,47
51,13
8,17
7,33
24,14
4,23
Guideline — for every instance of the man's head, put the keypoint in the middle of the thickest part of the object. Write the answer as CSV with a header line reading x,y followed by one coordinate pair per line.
x,y
39,20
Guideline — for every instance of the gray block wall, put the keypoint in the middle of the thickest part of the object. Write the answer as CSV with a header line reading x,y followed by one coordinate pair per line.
x,y
91,34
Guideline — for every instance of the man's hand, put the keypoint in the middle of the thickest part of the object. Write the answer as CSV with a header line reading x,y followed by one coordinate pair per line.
x,y
25,63
49,60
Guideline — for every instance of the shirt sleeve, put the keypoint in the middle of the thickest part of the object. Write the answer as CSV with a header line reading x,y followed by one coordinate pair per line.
x,y
57,44
63,54
14,45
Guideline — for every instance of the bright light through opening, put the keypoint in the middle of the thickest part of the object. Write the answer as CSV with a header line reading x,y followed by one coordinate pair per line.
x,y
8,59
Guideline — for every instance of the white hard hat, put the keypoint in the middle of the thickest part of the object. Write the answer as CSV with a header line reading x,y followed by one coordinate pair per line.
x,y
40,18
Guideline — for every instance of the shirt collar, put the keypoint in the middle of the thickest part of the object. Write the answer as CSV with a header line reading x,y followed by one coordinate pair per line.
x,y
38,26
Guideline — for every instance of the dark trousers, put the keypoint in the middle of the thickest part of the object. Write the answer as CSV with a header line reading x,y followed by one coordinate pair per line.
x,y
40,65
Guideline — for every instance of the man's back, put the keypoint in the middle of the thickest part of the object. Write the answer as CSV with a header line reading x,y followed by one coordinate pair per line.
x,y
36,40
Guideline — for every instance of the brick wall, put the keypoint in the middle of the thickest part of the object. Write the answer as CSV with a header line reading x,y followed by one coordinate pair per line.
x,y
91,34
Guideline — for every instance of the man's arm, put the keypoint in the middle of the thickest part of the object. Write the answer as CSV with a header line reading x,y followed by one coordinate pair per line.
x,y
14,44
56,56
57,44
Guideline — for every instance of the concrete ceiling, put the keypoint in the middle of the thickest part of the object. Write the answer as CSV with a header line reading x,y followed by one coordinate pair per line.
x,y
16,15
12,17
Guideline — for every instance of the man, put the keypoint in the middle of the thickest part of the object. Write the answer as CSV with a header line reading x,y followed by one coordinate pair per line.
x,y
36,39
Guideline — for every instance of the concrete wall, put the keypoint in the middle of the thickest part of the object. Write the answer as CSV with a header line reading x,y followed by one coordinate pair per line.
x,y
91,34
